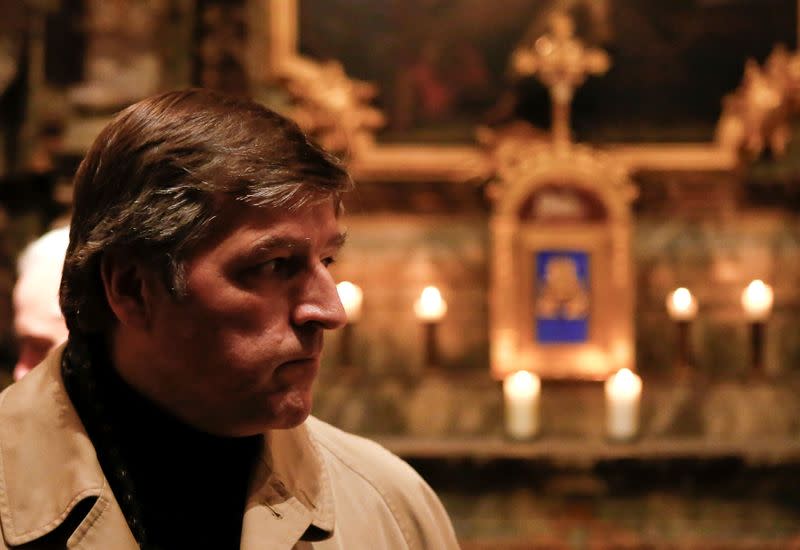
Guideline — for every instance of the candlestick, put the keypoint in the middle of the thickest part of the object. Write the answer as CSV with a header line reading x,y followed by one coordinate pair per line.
x,y
431,344
521,395
623,394
757,347
757,300
430,308
352,298
682,308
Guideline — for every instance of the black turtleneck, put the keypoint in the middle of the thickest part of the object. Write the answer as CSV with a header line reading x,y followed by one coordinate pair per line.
x,y
178,487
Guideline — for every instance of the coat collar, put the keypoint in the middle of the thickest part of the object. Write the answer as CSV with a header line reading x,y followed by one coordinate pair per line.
x,y
48,465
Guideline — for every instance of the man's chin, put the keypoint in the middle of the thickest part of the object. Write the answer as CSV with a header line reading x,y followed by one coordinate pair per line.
x,y
277,411
289,409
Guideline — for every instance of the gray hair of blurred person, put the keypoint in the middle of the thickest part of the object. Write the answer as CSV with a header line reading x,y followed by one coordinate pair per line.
x,y
157,176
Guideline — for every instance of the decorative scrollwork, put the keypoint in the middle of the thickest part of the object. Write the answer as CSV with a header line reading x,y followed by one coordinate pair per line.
x,y
757,115
335,108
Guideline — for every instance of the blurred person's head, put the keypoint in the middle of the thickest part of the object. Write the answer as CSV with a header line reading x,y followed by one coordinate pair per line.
x,y
201,233
38,323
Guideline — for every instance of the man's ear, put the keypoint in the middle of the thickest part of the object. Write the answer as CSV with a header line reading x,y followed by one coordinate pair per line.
x,y
128,286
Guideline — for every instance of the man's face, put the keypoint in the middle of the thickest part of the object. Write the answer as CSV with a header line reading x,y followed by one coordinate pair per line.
x,y
38,323
240,352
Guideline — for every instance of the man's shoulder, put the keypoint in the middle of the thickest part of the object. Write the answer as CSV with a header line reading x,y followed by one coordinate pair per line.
x,y
364,457
35,390
351,459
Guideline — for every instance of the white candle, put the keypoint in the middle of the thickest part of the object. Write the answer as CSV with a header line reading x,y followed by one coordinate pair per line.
x,y
757,300
521,392
352,297
430,307
623,393
681,305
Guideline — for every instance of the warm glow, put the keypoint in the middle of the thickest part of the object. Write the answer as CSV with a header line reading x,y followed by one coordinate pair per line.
x,y
430,306
521,385
757,300
351,297
681,305
620,352
503,351
624,384
544,46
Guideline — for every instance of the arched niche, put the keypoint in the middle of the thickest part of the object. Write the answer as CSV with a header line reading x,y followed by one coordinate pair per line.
x,y
562,290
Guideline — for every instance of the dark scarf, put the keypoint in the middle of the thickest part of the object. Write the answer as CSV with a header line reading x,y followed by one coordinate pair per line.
x,y
177,487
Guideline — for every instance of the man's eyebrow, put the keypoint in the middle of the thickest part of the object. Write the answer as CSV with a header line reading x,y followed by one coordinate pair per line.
x,y
268,244
338,240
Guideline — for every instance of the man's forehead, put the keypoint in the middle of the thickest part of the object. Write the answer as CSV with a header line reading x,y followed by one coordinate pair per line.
x,y
268,226
231,212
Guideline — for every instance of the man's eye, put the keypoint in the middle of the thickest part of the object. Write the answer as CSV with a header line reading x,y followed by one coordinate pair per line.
x,y
278,266
327,262
283,267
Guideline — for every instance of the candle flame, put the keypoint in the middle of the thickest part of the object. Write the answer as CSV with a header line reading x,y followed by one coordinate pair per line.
x,y
521,384
430,306
351,297
624,383
681,305
757,300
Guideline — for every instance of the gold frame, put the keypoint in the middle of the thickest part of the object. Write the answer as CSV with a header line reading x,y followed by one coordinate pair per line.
x,y
592,239
560,360
372,161
425,162
610,344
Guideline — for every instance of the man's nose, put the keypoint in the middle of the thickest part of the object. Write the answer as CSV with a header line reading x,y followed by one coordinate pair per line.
x,y
318,301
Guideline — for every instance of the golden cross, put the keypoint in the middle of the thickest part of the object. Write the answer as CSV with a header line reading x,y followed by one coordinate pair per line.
x,y
562,63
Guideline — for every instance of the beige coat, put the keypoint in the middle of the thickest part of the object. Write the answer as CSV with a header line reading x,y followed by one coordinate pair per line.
x,y
313,479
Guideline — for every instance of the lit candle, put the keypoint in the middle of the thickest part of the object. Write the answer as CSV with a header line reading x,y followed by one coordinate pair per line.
x,y
430,307
757,300
623,393
682,308
681,305
521,392
352,297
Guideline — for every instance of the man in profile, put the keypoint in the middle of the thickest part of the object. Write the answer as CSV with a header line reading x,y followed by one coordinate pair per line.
x,y
196,291
38,323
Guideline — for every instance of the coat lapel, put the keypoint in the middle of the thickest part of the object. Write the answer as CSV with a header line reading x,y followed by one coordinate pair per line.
x,y
48,466
290,493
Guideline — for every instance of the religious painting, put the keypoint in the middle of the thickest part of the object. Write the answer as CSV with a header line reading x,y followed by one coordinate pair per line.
x,y
562,296
440,65
443,66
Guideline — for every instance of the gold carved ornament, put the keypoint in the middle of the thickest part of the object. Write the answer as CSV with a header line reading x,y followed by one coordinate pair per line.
x,y
335,108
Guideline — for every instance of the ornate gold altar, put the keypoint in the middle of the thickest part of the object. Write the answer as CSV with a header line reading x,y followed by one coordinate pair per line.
x,y
562,290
